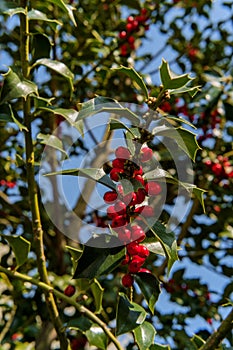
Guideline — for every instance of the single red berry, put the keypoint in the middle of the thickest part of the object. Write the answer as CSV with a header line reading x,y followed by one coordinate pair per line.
x,y
118,163
126,260
146,210
135,24
208,163
120,189
137,233
143,251
138,171
129,27
69,290
130,19
129,198
122,34
122,152
111,212
120,207
140,179
217,169
144,11
124,50
119,221
135,264
153,188
127,280
110,196
133,248
140,196
131,39
146,154
114,174
124,235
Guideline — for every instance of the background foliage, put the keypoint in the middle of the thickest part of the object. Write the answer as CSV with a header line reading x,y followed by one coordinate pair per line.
x,y
86,39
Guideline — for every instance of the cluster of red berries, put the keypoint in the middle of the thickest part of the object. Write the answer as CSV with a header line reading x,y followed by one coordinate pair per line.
x,y
9,184
221,168
132,30
126,207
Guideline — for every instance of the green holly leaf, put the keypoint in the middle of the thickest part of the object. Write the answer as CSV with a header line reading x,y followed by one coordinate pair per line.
x,y
98,261
170,80
58,67
40,16
52,141
75,255
97,337
66,8
144,335
20,247
150,287
14,87
197,341
108,105
68,114
15,11
98,293
116,124
159,347
136,78
129,315
7,115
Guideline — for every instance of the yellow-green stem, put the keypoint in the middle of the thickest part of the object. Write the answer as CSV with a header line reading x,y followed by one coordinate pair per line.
x,y
48,289
32,186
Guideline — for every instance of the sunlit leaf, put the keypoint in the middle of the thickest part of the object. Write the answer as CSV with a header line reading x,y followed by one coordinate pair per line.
x,y
14,87
40,16
15,11
129,315
97,337
66,8
7,115
144,335
52,141
170,80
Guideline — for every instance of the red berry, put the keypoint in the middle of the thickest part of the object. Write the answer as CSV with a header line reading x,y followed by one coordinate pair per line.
x,y
140,196
129,198
217,169
208,163
138,171
135,264
122,152
133,248
123,34
111,212
130,19
140,179
146,210
131,40
153,188
114,174
110,196
135,24
126,260
142,269
129,27
119,221
120,189
137,233
127,280
146,154
120,208
124,235
118,163
69,290
143,252
143,11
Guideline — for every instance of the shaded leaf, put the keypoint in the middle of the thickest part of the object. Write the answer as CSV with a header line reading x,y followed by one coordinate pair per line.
x,y
197,341
40,16
172,81
95,174
144,335
7,115
20,247
97,337
14,87
75,255
131,72
116,124
129,315
52,141
41,46
98,261
98,293
150,288
108,105
159,347
81,323
66,8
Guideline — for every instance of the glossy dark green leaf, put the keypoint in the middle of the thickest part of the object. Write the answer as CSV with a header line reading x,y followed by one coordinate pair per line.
x,y
159,347
40,16
81,323
14,87
7,115
144,335
98,261
108,105
66,8
129,315
52,141
97,337
95,174
58,67
98,293
41,47
197,341
150,287
136,78
20,247
116,124
75,255
167,240
68,114
172,81
179,120
192,90
185,139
